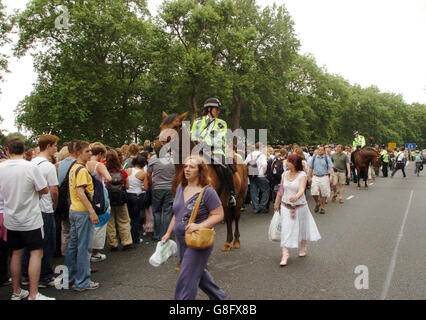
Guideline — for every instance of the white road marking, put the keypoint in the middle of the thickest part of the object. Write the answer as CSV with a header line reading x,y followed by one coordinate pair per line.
x,y
350,197
371,183
395,252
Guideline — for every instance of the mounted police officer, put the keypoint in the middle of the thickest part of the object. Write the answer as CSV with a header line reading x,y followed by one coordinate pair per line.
x,y
211,130
359,141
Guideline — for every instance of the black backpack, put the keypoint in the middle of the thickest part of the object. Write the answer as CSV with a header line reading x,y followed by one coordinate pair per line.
x,y
116,191
63,208
277,169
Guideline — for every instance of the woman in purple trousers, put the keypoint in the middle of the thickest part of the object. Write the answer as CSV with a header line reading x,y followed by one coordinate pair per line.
x,y
193,273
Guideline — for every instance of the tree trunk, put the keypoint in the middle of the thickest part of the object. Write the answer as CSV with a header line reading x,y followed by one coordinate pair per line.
x,y
239,105
194,105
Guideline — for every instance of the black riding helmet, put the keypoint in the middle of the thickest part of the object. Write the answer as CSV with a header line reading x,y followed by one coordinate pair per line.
x,y
212,102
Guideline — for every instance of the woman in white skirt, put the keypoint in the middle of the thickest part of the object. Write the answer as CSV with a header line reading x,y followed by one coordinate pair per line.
x,y
298,225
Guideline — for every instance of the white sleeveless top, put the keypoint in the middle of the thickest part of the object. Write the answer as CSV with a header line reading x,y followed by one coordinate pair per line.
x,y
136,185
291,188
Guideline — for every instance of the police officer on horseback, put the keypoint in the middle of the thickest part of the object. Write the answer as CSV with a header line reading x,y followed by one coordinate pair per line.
x,y
211,130
359,141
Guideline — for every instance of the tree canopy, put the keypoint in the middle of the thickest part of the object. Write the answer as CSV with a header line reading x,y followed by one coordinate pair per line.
x,y
6,25
110,72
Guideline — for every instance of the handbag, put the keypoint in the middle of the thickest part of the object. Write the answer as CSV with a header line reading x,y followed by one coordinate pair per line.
x,y
202,238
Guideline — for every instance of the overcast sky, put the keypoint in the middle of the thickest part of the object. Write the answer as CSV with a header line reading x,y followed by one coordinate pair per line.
x,y
368,42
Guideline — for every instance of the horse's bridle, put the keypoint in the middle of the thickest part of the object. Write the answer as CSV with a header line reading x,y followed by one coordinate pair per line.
x,y
174,128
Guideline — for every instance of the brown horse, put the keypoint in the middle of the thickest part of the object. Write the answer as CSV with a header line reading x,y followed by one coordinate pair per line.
x,y
362,160
171,128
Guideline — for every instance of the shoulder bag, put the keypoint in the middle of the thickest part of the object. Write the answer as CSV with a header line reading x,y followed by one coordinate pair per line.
x,y
202,238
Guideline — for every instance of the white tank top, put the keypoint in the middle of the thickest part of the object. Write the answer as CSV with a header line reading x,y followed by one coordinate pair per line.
x,y
136,185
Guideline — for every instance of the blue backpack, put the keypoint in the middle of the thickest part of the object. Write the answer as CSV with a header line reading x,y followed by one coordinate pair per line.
x,y
100,201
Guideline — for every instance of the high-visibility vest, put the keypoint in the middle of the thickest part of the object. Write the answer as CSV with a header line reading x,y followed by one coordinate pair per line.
x,y
385,156
214,135
359,141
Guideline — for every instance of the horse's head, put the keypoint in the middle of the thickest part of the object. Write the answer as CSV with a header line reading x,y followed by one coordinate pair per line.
x,y
377,161
169,129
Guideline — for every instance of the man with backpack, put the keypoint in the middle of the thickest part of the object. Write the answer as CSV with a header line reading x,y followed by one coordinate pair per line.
x,y
257,164
82,220
320,177
276,171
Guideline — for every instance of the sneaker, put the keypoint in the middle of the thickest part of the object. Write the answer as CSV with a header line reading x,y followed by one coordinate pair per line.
x,y
317,208
322,211
40,296
47,283
98,257
92,286
21,296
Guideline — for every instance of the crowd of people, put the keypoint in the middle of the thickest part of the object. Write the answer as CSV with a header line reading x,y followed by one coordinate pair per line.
x,y
47,208
47,205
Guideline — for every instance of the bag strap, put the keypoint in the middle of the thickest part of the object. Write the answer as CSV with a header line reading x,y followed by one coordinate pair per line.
x,y
41,162
197,205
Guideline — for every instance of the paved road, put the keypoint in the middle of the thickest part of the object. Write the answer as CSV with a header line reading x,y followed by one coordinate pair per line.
x,y
382,228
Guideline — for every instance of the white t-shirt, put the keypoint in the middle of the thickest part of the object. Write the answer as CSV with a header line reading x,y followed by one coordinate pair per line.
x,y
48,171
260,160
20,181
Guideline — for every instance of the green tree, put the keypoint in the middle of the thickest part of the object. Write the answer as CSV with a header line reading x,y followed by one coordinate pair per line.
x,y
29,142
6,25
93,76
